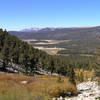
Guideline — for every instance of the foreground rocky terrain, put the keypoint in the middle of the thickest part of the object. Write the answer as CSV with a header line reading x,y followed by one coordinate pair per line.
x,y
87,91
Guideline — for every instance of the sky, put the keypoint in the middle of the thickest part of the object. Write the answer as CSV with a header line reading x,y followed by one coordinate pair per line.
x,y
21,14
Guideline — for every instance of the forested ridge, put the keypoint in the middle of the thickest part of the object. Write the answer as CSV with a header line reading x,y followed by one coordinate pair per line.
x,y
15,51
29,60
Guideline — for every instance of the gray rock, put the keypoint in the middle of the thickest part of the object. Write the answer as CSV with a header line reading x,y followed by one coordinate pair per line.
x,y
88,91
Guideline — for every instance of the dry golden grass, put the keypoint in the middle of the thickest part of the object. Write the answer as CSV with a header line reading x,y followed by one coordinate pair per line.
x,y
50,85
43,87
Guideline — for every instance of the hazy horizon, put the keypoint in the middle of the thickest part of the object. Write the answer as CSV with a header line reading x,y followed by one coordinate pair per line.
x,y
49,27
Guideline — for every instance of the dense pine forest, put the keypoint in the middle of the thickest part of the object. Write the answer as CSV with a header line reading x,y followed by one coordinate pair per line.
x,y
27,59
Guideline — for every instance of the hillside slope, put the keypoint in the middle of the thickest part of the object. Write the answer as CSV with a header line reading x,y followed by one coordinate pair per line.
x,y
20,57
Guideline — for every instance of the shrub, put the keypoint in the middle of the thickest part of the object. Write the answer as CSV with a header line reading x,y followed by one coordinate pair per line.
x,y
83,75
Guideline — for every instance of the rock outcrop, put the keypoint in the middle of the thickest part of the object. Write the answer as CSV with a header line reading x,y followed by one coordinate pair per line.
x,y
87,91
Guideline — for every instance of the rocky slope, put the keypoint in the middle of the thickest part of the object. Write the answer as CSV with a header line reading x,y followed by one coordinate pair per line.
x,y
87,91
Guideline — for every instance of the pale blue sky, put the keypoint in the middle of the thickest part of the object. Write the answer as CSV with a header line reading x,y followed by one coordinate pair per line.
x,y
20,14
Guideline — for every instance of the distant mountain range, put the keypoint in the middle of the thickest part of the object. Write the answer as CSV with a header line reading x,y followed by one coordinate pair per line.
x,y
58,33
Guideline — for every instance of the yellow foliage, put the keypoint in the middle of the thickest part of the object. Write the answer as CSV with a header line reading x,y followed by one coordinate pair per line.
x,y
83,75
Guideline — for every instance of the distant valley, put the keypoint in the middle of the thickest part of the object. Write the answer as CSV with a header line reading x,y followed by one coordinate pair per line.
x,y
82,41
